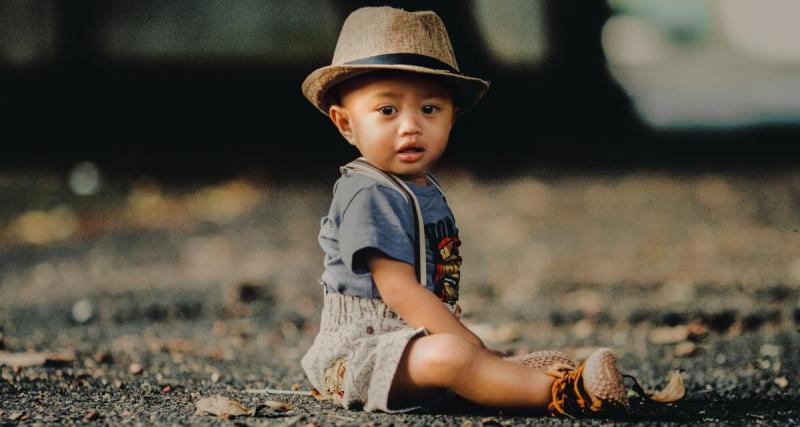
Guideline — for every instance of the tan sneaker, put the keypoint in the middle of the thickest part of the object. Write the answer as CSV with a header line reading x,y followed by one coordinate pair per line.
x,y
594,386
544,360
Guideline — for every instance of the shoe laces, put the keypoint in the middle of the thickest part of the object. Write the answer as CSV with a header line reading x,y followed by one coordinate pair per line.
x,y
568,387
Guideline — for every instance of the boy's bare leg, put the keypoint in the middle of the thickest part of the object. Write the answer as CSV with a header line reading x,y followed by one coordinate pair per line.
x,y
449,361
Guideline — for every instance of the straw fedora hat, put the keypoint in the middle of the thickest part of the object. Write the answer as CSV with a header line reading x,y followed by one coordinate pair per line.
x,y
385,38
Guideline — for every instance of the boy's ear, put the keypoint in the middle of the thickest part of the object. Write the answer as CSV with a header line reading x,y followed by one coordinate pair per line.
x,y
341,119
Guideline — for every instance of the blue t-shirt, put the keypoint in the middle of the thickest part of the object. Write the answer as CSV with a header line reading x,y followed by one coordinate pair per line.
x,y
365,214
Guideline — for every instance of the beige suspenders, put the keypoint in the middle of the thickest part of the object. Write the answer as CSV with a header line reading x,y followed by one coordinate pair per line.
x,y
362,166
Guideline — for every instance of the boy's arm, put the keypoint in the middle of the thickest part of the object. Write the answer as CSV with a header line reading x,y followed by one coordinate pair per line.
x,y
402,292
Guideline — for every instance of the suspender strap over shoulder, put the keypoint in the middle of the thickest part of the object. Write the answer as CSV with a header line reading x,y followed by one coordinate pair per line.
x,y
362,166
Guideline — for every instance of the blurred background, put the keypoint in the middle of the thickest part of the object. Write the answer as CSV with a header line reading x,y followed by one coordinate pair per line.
x,y
630,180
213,86
627,149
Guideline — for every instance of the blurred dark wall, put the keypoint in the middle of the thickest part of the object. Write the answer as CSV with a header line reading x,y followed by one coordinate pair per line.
x,y
174,116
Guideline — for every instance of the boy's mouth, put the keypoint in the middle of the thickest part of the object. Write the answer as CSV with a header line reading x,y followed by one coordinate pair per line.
x,y
411,147
410,152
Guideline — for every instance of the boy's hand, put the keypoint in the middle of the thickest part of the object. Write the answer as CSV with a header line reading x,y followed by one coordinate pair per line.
x,y
417,305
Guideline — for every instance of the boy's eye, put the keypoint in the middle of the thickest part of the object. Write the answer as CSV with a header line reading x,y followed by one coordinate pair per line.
x,y
429,109
387,111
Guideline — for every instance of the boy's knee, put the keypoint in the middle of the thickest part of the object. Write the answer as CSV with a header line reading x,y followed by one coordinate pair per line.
x,y
447,353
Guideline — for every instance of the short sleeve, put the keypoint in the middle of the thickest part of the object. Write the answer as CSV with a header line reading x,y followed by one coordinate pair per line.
x,y
380,218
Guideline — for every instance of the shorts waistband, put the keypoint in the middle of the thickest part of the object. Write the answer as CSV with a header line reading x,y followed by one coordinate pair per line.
x,y
340,309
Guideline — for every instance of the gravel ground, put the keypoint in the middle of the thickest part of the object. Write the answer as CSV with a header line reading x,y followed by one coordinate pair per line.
x,y
698,273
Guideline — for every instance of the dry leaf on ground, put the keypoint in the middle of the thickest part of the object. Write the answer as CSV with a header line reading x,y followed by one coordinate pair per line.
x,y
674,390
33,358
669,335
685,349
222,407
278,406
697,329
135,368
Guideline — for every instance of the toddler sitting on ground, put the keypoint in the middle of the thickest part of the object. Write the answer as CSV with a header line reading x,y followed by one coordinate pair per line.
x,y
391,337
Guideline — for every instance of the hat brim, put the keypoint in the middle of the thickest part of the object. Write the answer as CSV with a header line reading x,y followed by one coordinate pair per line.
x,y
316,86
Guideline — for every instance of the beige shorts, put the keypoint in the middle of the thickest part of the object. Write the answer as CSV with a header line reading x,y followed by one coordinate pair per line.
x,y
356,353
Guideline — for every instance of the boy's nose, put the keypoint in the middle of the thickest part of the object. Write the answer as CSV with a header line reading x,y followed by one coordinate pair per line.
x,y
409,125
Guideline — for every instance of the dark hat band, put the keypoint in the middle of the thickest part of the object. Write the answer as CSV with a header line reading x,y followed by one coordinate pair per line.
x,y
404,59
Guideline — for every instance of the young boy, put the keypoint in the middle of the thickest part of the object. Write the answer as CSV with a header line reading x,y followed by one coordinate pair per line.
x,y
390,337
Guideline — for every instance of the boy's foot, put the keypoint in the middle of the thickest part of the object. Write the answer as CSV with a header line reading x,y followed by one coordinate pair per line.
x,y
594,386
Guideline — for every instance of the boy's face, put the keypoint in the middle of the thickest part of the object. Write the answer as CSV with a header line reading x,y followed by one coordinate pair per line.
x,y
400,122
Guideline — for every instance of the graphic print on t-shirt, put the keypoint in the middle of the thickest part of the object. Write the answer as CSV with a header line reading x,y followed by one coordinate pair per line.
x,y
442,237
